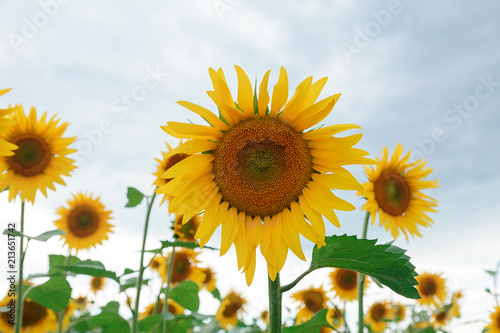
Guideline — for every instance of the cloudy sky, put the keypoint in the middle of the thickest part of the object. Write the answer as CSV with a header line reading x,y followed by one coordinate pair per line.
x,y
422,73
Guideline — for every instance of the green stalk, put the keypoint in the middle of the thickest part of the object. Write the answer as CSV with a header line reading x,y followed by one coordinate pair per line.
x,y
20,298
274,305
67,261
361,283
170,265
135,315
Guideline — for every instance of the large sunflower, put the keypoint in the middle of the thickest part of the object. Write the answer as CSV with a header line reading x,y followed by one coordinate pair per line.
x,y
165,163
5,124
256,171
36,318
494,325
345,284
431,288
393,190
377,316
85,222
311,301
231,305
41,158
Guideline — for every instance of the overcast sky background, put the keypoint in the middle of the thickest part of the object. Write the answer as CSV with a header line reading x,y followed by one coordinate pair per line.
x,y
423,73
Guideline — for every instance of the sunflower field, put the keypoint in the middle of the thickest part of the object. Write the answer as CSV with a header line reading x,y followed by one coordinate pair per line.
x,y
248,199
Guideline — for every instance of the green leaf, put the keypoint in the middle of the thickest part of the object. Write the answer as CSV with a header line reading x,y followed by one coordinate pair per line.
x,y
149,323
216,293
109,322
385,262
189,245
492,273
134,197
488,290
313,325
48,235
181,326
128,271
186,294
13,232
131,283
56,260
90,267
112,307
53,294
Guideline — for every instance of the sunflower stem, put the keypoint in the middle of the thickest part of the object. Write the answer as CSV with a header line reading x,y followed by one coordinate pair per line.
x,y
297,280
20,298
361,282
135,315
60,315
275,294
170,265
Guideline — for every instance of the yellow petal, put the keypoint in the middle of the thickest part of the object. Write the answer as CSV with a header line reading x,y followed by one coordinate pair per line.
x,y
220,87
263,95
315,113
230,113
336,144
328,131
245,93
316,221
206,114
295,104
192,147
339,182
189,165
316,89
291,235
250,271
298,220
280,93
229,230
191,131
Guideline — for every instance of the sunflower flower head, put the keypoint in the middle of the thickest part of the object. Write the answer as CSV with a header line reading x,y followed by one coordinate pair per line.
x,y
258,172
377,316
173,307
494,325
41,157
345,284
97,284
311,301
85,222
185,267
454,310
431,288
210,280
185,232
159,264
166,162
394,192
398,312
6,148
36,318
440,318
230,307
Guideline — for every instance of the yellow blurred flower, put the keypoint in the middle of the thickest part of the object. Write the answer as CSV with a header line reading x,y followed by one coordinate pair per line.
x,y
6,148
431,288
345,284
311,301
376,316
231,305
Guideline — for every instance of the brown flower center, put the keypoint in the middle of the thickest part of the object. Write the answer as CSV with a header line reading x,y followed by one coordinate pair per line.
x,y
182,267
346,279
97,283
428,287
209,275
32,156
83,221
378,312
235,303
497,321
33,313
392,193
313,300
441,316
261,166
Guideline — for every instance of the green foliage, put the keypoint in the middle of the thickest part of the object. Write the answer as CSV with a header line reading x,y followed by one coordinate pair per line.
x,y
186,294
385,262
112,307
56,260
43,237
109,322
313,325
134,197
188,245
216,293
53,294
131,283
90,267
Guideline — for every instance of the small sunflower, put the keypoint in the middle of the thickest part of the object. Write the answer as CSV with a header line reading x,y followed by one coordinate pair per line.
x,y
264,316
494,325
159,264
185,232
81,302
36,318
394,191
231,305
454,310
173,307
6,148
376,316
311,301
398,312
210,280
345,284
440,318
258,173
335,318
85,222
41,158
97,284
69,313
431,288
165,163
184,267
